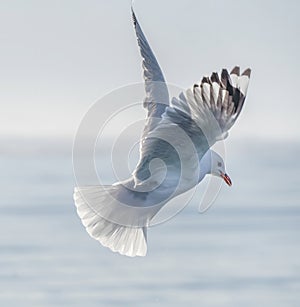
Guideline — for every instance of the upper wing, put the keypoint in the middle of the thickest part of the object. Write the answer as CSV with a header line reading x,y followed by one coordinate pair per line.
x,y
157,96
194,122
215,103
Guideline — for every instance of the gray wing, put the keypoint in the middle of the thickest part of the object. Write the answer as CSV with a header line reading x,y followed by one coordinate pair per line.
x,y
203,113
157,96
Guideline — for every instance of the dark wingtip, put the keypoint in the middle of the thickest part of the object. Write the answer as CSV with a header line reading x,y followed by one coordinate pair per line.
x,y
235,71
247,72
224,73
215,77
224,77
133,15
205,80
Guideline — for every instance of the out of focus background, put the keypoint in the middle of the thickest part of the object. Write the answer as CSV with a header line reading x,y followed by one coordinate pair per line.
x,y
56,59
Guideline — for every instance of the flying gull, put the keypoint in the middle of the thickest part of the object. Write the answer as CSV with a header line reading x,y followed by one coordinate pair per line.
x,y
175,154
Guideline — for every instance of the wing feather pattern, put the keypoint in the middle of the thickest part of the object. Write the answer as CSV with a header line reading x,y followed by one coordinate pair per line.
x,y
222,96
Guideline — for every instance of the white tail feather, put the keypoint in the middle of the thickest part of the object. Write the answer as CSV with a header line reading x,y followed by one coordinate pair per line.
x,y
128,241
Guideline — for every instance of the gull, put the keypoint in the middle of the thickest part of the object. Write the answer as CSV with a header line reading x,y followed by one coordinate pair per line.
x,y
175,153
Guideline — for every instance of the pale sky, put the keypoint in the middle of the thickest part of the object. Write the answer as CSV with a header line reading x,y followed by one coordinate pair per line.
x,y
58,57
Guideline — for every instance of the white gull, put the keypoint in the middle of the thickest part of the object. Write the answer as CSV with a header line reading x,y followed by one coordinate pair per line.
x,y
174,154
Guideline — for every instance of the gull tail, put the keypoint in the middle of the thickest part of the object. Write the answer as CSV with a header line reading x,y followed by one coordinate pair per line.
x,y
90,201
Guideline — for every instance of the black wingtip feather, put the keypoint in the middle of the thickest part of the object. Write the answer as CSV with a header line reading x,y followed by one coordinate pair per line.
x,y
205,80
235,70
226,81
215,78
224,74
133,17
247,72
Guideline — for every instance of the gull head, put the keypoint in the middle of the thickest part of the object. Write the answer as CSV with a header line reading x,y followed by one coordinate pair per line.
x,y
217,167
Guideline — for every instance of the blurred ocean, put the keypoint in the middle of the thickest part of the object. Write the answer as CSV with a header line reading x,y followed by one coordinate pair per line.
x,y
245,251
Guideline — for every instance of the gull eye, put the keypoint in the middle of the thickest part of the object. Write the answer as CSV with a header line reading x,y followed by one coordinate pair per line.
x,y
219,164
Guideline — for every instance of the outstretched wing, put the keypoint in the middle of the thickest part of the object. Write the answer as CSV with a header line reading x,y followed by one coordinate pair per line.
x,y
157,96
216,102
203,115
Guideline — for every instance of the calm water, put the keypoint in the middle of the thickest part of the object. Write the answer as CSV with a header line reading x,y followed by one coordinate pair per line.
x,y
245,251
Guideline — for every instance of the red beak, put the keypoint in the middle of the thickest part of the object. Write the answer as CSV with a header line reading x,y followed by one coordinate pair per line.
x,y
227,179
